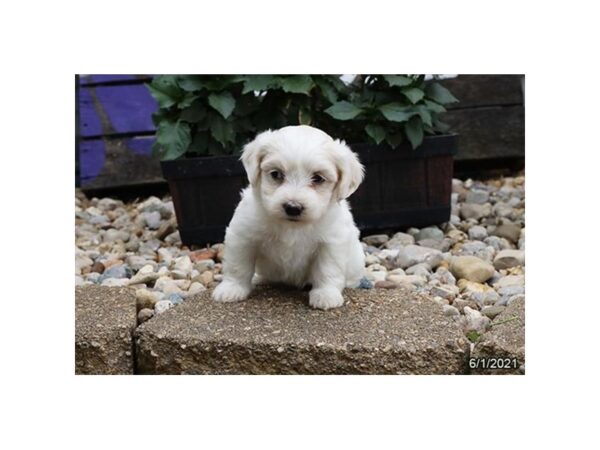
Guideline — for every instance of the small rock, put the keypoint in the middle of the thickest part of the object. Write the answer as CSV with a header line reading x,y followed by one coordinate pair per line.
x,y
114,235
385,284
444,276
146,299
98,267
510,280
403,280
204,254
445,291
492,311
477,196
509,291
375,276
167,286
82,262
508,230
433,233
164,255
399,240
180,275
421,269
477,233
501,209
165,229
369,260
114,282
162,306
184,264
376,239
144,277
450,311
365,283
475,321
509,258
516,298
152,219
118,271
204,264
145,314
206,278
195,288
137,262
471,268
176,299
460,304
475,211
497,243
414,254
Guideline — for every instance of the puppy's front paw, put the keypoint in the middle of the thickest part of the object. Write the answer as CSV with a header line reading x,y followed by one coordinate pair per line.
x,y
230,291
325,298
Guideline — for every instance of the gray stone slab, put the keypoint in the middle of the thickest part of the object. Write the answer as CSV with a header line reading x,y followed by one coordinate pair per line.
x,y
105,319
506,339
276,332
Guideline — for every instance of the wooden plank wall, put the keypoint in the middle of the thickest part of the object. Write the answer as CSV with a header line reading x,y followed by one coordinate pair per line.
x,y
116,131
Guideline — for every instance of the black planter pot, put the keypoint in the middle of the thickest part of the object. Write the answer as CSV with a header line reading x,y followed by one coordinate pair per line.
x,y
402,188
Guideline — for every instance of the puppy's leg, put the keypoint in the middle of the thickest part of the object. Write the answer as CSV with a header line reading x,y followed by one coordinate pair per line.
x,y
238,269
327,278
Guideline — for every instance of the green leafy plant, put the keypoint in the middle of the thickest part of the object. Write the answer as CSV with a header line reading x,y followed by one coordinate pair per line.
x,y
393,107
218,114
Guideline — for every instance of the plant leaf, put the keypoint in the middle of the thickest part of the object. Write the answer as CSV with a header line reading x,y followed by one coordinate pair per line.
x,y
343,110
327,89
222,102
394,139
172,139
200,142
414,131
196,112
187,100
396,112
398,80
434,107
440,94
424,113
221,130
413,94
165,91
257,83
296,84
440,126
376,132
304,116
190,83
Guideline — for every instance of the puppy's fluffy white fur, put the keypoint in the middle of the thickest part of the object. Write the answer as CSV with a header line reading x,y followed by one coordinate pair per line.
x,y
293,224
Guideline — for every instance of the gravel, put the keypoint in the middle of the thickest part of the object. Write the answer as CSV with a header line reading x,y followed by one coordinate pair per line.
x,y
473,265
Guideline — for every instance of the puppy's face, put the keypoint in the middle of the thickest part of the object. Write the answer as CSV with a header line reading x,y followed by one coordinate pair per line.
x,y
299,171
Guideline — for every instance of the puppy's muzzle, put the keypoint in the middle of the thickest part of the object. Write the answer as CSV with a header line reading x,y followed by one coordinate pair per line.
x,y
293,209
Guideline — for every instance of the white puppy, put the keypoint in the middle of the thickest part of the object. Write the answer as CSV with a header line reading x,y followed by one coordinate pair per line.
x,y
293,224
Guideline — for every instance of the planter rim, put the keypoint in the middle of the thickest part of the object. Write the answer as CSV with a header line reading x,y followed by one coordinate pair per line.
x,y
230,165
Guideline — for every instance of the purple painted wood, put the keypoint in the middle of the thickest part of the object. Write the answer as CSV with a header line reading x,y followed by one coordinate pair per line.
x,y
87,79
127,108
141,145
92,155
90,124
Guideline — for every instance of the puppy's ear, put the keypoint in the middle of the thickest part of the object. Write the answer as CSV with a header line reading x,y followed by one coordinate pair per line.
x,y
253,154
350,170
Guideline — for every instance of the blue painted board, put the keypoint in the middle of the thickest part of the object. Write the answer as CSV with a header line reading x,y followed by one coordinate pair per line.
x,y
127,109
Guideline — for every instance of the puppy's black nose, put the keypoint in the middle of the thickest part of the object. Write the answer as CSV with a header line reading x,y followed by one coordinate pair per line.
x,y
293,209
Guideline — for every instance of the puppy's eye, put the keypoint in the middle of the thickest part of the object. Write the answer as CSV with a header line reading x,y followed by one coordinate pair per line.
x,y
276,175
317,179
